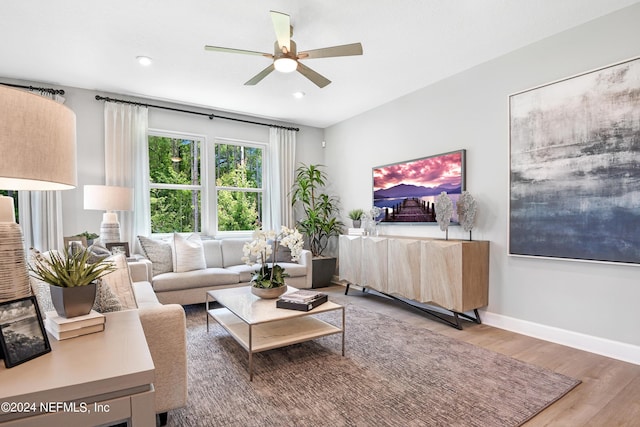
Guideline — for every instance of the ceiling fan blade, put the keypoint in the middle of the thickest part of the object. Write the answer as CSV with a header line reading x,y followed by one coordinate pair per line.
x,y
230,50
282,25
328,52
261,75
316,78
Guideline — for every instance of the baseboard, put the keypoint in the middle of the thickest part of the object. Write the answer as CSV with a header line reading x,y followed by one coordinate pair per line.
x,y
604,347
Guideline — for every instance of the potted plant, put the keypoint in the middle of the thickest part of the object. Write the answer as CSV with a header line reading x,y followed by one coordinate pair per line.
x,y
356,217
319,221
71,279
89,236
268,280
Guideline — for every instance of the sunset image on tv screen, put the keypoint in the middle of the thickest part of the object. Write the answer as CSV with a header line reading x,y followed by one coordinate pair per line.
x,y
406,191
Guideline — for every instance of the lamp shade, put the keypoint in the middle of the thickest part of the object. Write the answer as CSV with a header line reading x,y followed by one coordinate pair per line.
x,y
37,142
108,198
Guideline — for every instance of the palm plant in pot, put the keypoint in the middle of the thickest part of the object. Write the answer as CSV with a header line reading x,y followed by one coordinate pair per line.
x,y
71,278
319,221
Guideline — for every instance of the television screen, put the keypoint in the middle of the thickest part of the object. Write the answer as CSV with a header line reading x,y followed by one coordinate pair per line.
x,y
406,191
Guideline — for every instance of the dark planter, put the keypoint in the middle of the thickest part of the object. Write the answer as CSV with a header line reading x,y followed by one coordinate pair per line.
x,y
323,269
72,302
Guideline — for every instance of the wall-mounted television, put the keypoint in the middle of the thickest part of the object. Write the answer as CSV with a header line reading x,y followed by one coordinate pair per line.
x,y
406,191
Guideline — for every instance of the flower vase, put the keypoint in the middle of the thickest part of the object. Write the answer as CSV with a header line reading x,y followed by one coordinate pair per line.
x,y
268,293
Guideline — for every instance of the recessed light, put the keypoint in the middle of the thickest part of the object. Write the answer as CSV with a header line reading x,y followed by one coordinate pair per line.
x,y
144,60
299,95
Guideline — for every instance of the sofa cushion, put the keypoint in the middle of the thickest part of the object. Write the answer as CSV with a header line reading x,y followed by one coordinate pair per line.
x,y
212,253
194,279
188,254
245,271
120,281
232,251
158,252
293,269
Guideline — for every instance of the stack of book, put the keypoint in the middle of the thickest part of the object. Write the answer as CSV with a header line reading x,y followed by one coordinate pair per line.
x,y
302,300
62,328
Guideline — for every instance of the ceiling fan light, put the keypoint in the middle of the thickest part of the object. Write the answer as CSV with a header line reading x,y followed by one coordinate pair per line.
x,y
285,65
145,61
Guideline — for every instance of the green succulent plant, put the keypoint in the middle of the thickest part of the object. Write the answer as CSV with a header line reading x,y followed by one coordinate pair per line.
x,y
356,214
69,269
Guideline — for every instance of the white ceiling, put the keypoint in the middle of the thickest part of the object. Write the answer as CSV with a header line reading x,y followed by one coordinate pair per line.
x,y
408,44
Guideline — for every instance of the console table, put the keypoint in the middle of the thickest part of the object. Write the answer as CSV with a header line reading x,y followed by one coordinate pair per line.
x,y
451,274
95,379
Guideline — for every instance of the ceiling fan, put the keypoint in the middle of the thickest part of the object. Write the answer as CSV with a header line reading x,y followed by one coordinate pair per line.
x,y
286,57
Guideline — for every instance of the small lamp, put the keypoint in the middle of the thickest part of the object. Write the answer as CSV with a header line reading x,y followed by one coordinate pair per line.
x,y
108,198
38,146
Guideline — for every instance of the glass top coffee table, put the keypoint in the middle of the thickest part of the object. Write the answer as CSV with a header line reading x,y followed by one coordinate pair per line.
x,y
258,325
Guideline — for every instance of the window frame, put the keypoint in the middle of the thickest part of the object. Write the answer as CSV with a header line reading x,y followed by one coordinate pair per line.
x,y
202,139
213,196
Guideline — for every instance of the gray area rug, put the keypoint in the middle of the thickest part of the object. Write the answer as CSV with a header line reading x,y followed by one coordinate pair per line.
x,y
393,374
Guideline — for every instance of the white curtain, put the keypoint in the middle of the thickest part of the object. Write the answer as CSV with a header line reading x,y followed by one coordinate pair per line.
x,y
41,211
279,172
127,164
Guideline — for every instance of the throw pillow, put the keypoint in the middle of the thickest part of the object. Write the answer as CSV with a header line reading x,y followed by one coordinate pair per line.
x,y
97,253
119,281
188,253
106,300
159,253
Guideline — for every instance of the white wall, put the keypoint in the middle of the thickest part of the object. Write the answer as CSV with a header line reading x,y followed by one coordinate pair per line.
x,y
470,110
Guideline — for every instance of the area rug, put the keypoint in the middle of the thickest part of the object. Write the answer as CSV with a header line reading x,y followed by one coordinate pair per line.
x,y
393,374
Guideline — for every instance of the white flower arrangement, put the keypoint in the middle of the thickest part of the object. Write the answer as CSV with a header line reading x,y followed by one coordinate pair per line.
x,y
444,210
466,207
263,245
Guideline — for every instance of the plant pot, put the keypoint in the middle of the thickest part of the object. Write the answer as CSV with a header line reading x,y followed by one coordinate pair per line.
x,y
357,223
73,302
268,293
323,269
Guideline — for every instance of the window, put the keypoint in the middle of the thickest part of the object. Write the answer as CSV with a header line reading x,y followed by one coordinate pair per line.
x,y
239,192
187,198
175,183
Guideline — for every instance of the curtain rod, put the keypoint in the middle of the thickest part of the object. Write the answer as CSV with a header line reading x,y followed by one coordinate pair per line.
x,y
210,115
41,89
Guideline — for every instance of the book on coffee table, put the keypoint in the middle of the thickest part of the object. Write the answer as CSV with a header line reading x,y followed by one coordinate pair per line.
x,y
282,302
301,296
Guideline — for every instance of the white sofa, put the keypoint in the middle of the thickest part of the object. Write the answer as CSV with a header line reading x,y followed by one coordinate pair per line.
x,y
224,269
165,329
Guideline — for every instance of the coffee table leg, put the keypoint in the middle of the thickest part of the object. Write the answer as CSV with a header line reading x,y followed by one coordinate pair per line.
x,y
207,311
343,328
250,355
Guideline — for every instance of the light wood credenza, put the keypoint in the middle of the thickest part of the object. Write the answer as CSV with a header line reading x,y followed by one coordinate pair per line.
x,y
451,274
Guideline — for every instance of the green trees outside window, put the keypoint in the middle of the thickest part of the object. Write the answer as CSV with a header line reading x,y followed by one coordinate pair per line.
x,y
178,186
238,187
176,192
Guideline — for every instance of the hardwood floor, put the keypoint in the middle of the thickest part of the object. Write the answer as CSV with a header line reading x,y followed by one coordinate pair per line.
x,y
608,396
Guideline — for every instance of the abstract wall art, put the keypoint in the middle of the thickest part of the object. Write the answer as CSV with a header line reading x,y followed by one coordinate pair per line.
x,y
575,167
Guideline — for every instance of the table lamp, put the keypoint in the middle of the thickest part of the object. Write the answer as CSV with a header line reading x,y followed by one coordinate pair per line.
x,y
38,146
108,198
